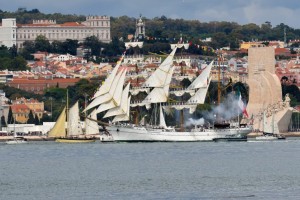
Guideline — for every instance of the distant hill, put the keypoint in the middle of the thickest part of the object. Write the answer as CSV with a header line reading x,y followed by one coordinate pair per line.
x,y
163,29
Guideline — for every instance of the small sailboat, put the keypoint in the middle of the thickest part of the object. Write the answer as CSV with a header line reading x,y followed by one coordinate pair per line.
x,y
16,139
68,129
270,131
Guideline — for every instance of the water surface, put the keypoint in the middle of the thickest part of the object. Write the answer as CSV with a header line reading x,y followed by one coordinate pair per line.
x,y
204,170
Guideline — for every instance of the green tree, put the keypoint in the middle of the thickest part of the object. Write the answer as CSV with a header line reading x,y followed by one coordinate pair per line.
x,y
30,118
42,44
36,120
10,118
94,44
3,123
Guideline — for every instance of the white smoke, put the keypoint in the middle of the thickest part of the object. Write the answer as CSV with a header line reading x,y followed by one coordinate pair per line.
x,y
192,121
227,110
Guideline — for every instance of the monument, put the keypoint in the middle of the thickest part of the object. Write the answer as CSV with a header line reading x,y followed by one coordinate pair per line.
x,y
265,92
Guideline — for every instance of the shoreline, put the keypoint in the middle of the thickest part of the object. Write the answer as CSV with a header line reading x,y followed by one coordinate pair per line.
x,y
45,138
31,138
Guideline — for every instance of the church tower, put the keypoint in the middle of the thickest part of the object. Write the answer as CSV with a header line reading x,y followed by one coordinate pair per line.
x,y
140,29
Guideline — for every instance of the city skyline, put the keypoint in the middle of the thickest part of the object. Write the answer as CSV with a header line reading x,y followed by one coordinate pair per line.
x,y
239,11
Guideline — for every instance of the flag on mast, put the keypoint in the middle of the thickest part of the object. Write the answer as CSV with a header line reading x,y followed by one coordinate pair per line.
x,y
242,106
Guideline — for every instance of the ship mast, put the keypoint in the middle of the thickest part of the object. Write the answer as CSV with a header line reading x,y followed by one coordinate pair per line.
x,y
67,115
219,78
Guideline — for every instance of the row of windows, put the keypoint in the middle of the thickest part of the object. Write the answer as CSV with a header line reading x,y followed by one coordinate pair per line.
x,y
60,30
63,35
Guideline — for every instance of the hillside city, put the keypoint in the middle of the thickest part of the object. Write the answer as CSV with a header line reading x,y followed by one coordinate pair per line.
x,y
46,71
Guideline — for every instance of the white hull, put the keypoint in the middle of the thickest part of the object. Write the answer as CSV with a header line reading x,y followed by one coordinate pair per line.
x,y
268,138
16,142
142,134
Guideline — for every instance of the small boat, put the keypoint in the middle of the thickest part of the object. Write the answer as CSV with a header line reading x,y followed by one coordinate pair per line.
x,y
270,132
231,139
17,140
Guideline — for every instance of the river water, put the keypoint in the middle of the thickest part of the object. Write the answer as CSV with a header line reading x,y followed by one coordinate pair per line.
x,y
200,170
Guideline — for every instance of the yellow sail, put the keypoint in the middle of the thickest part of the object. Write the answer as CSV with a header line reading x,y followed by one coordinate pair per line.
x,y
59,129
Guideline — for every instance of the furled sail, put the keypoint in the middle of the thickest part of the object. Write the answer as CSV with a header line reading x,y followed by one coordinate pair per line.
x,y
162,122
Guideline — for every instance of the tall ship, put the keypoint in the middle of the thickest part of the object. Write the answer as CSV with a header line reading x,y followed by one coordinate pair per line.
x,y
68,128
115,100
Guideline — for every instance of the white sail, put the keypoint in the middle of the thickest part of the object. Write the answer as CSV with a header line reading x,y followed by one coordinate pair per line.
x,y
157,79
185,45
106,97
123,117
91,126
199,97
202,79
73,124
162,122
160,94
115,101
109,80
122,109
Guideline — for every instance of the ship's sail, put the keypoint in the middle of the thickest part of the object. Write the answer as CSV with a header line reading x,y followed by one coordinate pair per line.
x,y
122,109
160,94
157,79
115,101
162,122
59,129
74,126
109,80
91,126
107,96
202,79
123,117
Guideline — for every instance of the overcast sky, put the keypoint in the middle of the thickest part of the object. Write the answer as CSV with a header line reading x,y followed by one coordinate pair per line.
x,y
240,11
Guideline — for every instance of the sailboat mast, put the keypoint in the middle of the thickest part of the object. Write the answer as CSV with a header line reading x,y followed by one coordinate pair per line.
x,y
181,111
219,79
67,115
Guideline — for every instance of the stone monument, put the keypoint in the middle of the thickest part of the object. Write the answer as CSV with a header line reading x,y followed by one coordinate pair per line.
x,y
265,92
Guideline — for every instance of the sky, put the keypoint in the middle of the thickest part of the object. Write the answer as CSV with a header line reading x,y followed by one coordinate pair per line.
x,y
239,11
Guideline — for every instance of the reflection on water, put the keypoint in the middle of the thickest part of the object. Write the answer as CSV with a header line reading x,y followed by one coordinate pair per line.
x,y
236,170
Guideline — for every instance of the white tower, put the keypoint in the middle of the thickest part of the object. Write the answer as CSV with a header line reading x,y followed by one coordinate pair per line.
x,y
140,29
8,32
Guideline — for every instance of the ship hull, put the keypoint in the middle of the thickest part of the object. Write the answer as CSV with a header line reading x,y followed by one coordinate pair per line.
x,y
142,134
77,140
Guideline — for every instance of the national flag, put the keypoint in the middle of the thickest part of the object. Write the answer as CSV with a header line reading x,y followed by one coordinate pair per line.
x,y
242,106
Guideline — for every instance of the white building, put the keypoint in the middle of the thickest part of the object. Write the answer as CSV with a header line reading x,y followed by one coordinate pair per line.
x,y
8,31
12,34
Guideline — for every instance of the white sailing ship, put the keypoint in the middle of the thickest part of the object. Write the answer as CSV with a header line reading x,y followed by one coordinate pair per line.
x,y
159,82
270,130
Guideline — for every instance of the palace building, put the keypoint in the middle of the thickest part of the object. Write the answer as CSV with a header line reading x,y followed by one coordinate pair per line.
x,y
12,33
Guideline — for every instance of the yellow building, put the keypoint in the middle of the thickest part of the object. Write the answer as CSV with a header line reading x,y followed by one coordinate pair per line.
x,y
21,108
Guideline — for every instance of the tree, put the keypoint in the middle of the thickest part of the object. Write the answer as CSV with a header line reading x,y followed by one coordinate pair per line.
x,y
3,123
36,120
42,43
30,118
10,118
